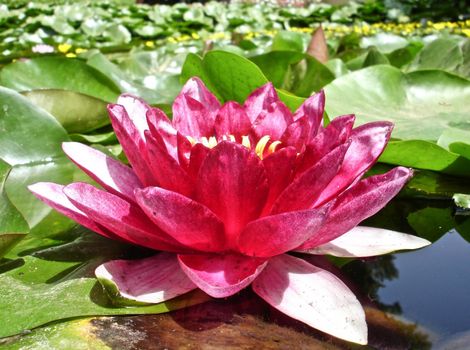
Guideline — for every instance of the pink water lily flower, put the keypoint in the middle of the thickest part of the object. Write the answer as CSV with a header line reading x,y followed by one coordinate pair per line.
x,y
227,191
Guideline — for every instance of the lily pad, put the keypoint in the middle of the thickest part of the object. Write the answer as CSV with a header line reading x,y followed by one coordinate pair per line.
x,y
421,104
58,73
231,77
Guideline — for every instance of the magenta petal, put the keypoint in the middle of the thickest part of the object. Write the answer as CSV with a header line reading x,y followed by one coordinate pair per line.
x,y
312,109
150,280
232,183
52,194
259,100
279,168
184,150
277,234
313,296
297,134
335,134
120,217
166,170
195,109
187,221
359,202
198,154
232,120
136,110
114,176
304,190
132,143
160,125
273,121
368,143
221,276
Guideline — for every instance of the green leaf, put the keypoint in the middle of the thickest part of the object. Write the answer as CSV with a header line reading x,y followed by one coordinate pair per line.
x,y
58,73
31,144
431,223
13,227
462,200
60,269
425,155
231,77
421,104
374,57
76,112
289,41
384,42
441,53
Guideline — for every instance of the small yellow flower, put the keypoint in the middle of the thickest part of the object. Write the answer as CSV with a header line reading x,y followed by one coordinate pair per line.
x,y
150,44
70,55
64,48
79,50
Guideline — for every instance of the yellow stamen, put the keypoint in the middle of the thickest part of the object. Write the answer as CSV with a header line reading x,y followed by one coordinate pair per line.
x,y
192,140
246,142
232,138
261,145
272,146
212,142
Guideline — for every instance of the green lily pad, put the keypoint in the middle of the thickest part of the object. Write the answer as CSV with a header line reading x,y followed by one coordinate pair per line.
x,y
231,77
58,73
421,104
13,227
59,269
76,112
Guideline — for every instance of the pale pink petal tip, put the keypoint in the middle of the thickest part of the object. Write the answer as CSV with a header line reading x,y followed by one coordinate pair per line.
x,y
364,241
313,296
151,280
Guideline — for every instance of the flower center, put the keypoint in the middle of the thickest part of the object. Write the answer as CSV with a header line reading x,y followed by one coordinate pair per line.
x,y
262,148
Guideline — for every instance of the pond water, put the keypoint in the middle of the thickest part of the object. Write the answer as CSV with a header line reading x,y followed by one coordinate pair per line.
x,y
432,289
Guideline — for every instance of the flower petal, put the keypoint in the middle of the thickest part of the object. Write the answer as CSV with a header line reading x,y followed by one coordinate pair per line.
x,y
359,202
232,183
159,124
136,110
312,109
166,170
273,121
150,280
132,143
198,154
313,296
364,241
52,194
279,168
221,276
303,191
114,176
368,143
277,234
187,221
232,120
195,109
297,134
120,217
259,100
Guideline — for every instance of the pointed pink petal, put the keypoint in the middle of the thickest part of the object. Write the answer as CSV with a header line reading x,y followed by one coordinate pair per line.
x,y
232,120
297,134
195,109
150,280
313,296
114,176
232,183
184,150
198,154
132,143
159,124
277,234
52,194
259,100
335,134
312,109
136,110
120,217
368,143
221,276
273,121
303,191
364,241
187,221
359,202
166,170
279,168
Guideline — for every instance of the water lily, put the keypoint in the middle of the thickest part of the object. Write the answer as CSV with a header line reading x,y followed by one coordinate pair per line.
x,y
227,191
